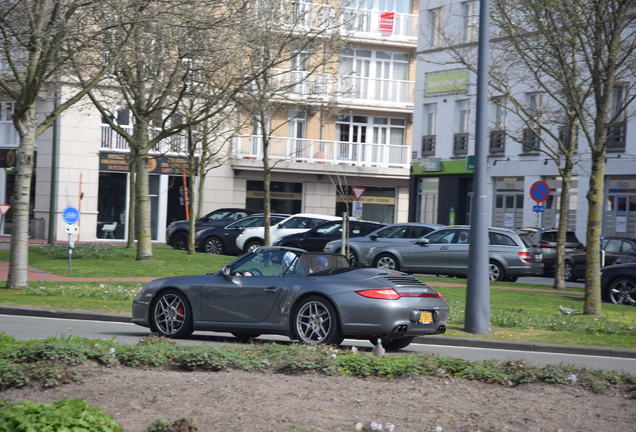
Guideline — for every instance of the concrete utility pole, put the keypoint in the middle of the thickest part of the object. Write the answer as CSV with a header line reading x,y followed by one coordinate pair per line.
x,y
477,318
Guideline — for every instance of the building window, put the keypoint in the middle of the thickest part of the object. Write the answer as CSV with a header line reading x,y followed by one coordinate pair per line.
x,y
435,27
297,124
531,141
460,139
534,102
471,20
616,130
8,133
497,143
429,129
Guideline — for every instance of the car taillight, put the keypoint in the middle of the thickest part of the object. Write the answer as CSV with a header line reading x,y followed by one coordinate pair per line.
x,y
525,256
544,244
380,293
392,294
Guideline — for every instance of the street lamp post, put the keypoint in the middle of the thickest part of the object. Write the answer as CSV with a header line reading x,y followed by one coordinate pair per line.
x,y
477,318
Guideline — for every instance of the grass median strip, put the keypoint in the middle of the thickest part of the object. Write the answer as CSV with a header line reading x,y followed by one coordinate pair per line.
x,y
47,362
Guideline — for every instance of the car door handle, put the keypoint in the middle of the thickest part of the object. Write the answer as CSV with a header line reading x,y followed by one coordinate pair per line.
x,y
444,248
271,290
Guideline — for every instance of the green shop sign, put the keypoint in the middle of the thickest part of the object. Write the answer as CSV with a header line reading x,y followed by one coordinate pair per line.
x,y
441,82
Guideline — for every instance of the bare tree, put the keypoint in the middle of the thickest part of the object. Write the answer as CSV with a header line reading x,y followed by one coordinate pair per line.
x,y
535,76
290,47
172,47
39,39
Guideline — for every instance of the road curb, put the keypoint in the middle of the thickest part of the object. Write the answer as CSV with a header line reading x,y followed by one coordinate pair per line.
x,y
427,340
521,346
53,313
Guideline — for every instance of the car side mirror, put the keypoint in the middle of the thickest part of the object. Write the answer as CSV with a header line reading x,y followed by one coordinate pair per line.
x,y
226,271
422,242
373,237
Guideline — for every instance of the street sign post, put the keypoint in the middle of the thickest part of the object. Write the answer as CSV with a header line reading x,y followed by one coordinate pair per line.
x,y
358,191
539,192
71,216
356,210
4,209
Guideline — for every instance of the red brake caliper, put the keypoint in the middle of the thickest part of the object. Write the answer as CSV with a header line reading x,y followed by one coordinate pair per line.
x,y
180,309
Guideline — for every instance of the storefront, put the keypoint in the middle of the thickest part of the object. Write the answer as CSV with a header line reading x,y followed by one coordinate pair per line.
x,y
620,207
378,203
286,197
166,192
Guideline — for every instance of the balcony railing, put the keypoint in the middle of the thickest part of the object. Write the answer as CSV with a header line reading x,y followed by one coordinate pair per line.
x,y
616,136
497,143
9,136
428,145
354,22
112,141
531,142
321,151
344,88
460,144
366,23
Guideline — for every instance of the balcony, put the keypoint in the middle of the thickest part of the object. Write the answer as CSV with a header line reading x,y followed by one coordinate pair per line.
x,y
460,144
497,144
112,141
345,89
9,136
352,22
428,145
531,142
310,151
364,23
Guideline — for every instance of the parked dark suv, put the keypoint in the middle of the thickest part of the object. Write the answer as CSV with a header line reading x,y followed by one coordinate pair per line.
x,y
546,241
177,231
316,238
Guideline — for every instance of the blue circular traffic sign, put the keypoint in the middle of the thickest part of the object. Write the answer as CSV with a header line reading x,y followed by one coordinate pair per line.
x,y
539,191
70,215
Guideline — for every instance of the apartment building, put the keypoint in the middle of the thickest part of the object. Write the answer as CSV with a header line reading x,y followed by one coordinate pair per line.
x,y
357,133
443,141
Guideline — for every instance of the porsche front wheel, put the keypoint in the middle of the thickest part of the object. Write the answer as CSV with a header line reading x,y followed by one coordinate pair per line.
x,y
172,315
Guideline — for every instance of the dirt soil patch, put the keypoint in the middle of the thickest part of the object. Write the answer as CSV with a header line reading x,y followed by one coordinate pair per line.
x,y
253,401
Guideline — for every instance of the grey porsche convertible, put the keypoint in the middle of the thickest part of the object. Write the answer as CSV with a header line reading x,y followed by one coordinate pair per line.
x,y
312,297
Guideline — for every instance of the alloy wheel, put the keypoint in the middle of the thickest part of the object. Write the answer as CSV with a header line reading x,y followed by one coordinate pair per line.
x,y
623,291
313,322
386,262
495,273
213,246
170,314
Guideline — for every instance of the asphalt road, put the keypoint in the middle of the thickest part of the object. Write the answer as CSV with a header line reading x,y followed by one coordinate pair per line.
x,y
27,327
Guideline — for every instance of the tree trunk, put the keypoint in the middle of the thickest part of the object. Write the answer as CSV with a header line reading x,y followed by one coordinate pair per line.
x,y
564,207
266,190
142,189
131,202
19,261
594,228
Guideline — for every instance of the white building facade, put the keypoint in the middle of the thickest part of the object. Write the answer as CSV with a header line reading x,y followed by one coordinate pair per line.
x,y
443,131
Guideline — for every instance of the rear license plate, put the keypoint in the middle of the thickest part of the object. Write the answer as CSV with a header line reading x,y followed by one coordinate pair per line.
x,y
426,317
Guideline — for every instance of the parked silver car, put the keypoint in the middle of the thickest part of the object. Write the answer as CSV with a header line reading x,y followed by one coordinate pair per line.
x,y
400,233
446,252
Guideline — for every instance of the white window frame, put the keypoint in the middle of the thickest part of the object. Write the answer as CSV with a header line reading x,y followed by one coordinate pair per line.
x,y
429,123
470,11
435,27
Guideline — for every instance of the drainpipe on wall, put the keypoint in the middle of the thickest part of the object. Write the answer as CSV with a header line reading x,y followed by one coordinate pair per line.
x,y
53,190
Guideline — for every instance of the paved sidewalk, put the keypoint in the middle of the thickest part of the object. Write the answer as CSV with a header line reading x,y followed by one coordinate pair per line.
x,y
37,275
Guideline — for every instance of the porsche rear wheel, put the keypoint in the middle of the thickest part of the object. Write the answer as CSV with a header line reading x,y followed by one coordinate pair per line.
x,y
315,321
394,344
172,315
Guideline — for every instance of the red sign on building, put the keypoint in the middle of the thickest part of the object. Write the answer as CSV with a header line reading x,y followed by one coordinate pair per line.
x,y
386,22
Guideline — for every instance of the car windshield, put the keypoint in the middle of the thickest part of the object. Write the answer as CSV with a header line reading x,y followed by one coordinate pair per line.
x,y
317,263
330,228
252,221
219,215
265,262
398,231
